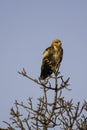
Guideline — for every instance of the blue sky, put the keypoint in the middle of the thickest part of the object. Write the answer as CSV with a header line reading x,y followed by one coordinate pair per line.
x,y
26,29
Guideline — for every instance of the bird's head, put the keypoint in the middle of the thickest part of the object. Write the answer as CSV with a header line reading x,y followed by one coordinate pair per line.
x,y
56,43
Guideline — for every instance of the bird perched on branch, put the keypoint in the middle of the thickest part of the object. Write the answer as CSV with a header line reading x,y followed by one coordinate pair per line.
x,y
52,58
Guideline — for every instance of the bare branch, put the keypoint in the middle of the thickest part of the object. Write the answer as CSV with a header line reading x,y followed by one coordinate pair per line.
x,y
56,112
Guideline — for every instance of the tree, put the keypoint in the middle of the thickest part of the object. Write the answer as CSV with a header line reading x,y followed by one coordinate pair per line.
x,y
56,113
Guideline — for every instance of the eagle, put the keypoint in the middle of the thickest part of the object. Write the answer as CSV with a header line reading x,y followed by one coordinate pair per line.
x,y
52,57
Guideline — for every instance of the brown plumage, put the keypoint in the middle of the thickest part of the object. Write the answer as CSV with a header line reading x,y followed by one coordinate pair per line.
x,y
52,58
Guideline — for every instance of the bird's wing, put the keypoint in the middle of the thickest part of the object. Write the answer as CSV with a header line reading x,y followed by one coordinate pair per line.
x,y
46,52
46,63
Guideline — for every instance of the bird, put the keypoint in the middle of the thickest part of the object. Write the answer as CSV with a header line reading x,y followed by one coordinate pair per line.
x,y
52,57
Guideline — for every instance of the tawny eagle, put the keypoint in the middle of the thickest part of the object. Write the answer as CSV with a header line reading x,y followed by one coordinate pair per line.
x,y
52,58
